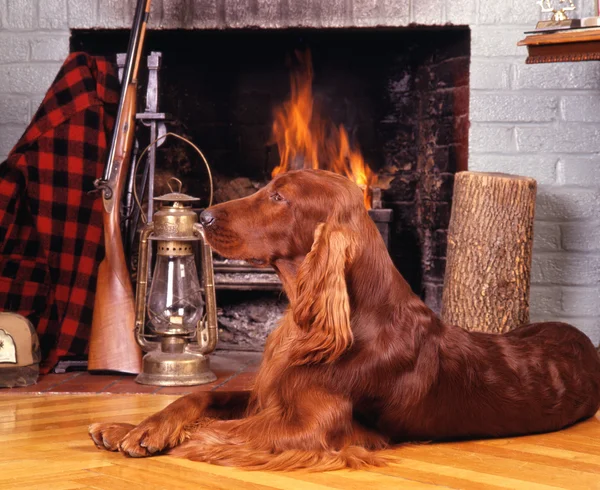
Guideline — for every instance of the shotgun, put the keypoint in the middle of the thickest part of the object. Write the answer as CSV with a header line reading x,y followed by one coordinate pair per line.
x,y
112,341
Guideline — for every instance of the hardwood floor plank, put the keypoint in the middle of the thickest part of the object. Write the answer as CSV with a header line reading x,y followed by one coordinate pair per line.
x,y
561,455
162,471
539,454
466,478
106,482
44,445
359,480
279,480
66,481
490,464
23,470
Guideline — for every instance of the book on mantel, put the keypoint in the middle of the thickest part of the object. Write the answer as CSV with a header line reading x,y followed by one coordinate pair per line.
x,y
544,27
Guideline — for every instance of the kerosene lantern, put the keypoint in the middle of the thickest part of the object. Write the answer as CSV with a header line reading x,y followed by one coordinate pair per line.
x,y
183,325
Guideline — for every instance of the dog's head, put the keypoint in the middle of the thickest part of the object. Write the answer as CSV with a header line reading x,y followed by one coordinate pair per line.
x,y
280,220
314,215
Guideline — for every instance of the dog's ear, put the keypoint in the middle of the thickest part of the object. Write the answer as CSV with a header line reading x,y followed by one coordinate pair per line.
x,y
322,307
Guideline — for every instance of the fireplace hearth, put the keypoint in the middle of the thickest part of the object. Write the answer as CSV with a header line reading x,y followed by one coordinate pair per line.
x,y
401,94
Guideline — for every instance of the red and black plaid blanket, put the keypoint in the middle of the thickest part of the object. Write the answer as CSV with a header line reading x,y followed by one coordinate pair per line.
x,y
50,227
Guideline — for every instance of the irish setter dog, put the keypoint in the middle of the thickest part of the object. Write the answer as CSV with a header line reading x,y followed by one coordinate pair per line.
x,y
359,362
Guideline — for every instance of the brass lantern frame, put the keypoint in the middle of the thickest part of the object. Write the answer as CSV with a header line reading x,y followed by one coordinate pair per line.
x,y
179,359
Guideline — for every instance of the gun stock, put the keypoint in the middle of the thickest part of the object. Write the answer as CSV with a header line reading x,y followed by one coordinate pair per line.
x,y
112,342
113,346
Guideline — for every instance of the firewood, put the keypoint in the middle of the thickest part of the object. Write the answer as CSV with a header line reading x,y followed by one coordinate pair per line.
x,y
490,237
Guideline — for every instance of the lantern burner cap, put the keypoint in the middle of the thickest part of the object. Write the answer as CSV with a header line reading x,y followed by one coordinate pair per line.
x,y
176,197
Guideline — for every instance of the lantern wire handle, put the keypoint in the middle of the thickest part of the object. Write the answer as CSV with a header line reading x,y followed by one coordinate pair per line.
x,y
176,180
163,136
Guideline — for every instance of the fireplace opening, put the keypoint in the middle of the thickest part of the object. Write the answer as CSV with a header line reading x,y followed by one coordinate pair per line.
x,y
401,95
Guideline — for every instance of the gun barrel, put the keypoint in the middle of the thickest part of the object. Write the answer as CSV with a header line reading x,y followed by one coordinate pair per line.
x,y
134,51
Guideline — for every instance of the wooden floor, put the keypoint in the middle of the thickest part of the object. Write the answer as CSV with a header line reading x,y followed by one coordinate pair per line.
x,y
44,445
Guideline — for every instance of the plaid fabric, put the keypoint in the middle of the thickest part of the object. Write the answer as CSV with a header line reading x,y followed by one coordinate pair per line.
x,y
50,227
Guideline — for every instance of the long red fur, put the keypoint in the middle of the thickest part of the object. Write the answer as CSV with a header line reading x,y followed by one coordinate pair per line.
x,y
359,362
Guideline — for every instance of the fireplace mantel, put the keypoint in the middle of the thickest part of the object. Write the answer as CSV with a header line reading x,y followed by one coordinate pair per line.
x,y
563,46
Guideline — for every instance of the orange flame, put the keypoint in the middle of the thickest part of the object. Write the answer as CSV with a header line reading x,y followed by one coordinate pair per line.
x,y
307,140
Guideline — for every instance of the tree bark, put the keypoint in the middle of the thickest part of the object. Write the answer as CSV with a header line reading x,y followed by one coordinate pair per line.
x,y
490,237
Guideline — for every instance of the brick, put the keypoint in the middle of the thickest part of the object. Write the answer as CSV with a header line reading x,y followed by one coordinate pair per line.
x,y
558,203
451,73
586,8
3,14
584,108
513,108
509,12
545,300
367,13
82,13
427,13
21,14
458,157
546,236
50,48
403,187
489,138
488,75
27,79
580,301
396,13
495,41
271,13
305,13
35,103
582,236
13,47
583,171
334,14
114,13
572,137
174,14
447,103
461,12
177,14
565,268
540,167
240,13
53,14
14,109
589,326
156,12
9,135
557,76
432,296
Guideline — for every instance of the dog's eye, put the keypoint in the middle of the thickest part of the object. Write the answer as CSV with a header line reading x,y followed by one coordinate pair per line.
x,y
277,197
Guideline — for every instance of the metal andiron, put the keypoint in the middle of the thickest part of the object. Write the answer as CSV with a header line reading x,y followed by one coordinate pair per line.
x,y
183,325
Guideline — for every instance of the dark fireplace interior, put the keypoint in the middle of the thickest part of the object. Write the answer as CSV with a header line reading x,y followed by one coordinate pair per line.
x,y
402,95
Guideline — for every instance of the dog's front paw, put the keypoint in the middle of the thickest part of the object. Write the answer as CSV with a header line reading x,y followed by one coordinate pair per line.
x,y
108,435
152,436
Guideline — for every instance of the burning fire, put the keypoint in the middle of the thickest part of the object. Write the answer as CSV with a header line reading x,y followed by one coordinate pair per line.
x,y
307,140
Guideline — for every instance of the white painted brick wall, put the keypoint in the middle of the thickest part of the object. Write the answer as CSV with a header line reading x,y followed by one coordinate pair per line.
x,y
535,120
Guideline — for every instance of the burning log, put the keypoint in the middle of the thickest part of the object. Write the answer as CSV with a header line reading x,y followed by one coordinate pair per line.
x,y
486,286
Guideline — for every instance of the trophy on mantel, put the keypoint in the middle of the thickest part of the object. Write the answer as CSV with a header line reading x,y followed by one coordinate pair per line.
x,y
559,18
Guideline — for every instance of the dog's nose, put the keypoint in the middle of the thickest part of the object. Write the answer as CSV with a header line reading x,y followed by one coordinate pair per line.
x,y
207,218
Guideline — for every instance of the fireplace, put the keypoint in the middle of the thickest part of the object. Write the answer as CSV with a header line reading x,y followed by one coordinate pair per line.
x,y
401,94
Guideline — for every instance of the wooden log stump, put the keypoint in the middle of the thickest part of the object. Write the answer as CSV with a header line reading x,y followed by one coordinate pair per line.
x,y
490,237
